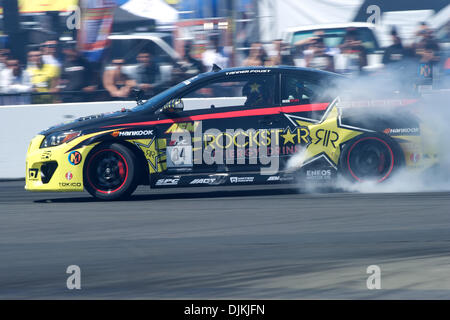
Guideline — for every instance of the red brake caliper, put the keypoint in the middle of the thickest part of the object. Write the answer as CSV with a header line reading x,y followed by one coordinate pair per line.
x,y
381,165
121,169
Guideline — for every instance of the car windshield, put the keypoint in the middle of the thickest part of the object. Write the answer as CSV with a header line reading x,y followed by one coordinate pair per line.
x,y
163,96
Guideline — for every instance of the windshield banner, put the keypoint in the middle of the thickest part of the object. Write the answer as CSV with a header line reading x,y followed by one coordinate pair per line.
x,y
96,24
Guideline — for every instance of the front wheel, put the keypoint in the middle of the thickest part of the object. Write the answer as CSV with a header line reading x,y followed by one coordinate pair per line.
x,y
373,157
110,172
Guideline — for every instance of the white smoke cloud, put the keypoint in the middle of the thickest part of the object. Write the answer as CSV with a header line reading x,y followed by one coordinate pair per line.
x,y
433,110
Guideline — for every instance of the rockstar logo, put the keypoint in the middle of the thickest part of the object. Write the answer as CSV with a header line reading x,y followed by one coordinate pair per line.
x,y
328,135
254,87
288,136
149,148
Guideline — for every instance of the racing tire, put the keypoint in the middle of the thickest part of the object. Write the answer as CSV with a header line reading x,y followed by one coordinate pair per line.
x,y
110,172
370,157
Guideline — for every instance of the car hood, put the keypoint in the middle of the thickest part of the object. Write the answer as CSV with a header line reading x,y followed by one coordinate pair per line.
x,y
91,123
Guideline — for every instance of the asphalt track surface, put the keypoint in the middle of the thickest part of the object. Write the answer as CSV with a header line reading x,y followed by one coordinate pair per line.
x,y
224,244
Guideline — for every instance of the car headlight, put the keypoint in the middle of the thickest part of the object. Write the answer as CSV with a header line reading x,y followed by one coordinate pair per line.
x,y
55,139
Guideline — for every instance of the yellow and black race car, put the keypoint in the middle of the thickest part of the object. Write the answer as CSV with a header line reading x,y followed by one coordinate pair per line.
x,y
239,126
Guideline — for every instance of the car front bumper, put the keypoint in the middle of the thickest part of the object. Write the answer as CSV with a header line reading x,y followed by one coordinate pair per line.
x,y
58,168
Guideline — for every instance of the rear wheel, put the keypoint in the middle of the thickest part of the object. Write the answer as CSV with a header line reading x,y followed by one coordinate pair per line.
x,y
372,157
110,172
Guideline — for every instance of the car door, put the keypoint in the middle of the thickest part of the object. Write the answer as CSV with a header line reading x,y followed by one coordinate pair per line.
x,y
224,118
306,96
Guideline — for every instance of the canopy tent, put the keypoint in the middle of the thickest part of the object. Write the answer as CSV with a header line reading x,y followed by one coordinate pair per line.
x,y
158,10
399,5
124,21
277,16
405,15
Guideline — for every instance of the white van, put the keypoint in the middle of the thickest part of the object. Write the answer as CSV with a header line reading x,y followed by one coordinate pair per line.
x,y
127,47
334,36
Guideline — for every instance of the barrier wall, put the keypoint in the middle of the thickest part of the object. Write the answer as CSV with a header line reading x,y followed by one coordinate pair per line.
x,y
19,124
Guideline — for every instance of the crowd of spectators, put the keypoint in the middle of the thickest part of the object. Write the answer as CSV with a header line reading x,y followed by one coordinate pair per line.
x,y
53,74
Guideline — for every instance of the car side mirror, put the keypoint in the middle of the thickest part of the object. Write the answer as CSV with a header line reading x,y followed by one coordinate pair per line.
x,y
138,95
173,106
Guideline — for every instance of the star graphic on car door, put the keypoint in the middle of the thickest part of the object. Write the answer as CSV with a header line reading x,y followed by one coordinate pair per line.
x,y
327,135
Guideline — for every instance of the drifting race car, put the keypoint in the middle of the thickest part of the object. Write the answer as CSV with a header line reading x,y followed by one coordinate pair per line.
x,y
238,126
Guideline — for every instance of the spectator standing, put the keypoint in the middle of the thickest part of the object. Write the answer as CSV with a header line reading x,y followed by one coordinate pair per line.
x,y
191,65
275,53
4,54
427,60
3,58
14,79
425,38
116,82
49,53
44,77
257,55
303,49
396,52
353,52
427,51
399,64
280,54
76,75
318,57
146,74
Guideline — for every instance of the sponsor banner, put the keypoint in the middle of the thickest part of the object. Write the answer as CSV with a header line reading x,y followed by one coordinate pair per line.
x,y
68,176
402,131
33,174
183,127
203,181
264,137
179,156
134,133
242,179
167,182
280,178
75,158
414,157
46,155
96,24
319,174
28,6
70,184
